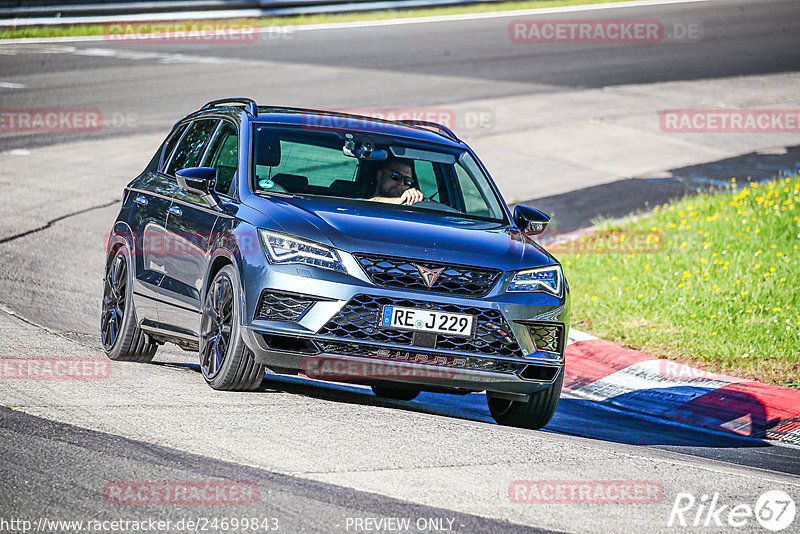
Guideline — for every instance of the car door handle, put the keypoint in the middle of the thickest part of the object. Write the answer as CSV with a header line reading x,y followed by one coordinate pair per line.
x,y
175,210
141,199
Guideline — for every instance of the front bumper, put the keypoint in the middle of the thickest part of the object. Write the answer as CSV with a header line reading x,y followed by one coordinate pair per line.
x,y
326,328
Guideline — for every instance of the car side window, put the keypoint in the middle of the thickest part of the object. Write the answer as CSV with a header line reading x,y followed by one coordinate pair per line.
x,y
170,145
191,146
223,155
474,201
426,178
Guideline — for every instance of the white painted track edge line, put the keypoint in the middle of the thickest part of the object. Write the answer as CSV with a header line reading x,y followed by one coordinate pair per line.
x,y
399,21
491,14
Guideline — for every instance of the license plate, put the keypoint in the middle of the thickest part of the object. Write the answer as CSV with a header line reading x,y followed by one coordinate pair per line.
x,y
451,324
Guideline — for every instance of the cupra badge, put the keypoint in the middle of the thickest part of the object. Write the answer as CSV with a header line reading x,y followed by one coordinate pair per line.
x,y
429,276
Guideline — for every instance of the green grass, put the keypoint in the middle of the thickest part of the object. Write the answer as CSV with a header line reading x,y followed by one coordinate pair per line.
x,y
100,29
722,293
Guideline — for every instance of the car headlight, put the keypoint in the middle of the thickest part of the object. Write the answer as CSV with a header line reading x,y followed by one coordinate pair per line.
x,y
282,248
546,279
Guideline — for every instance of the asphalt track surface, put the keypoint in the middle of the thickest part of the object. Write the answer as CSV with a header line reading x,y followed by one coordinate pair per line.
x,y
69,449
408,65
54,469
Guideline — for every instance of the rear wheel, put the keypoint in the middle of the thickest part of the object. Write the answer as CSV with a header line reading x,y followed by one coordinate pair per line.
x,y
122,338
533,414
397,393
225,360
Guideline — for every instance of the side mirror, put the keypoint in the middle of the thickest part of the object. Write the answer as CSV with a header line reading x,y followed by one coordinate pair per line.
x,y
530,220
201,181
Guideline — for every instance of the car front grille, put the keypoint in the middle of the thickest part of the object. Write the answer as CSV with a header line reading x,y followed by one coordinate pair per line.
x,y
278,306
414,356
358,320
548,337
402,273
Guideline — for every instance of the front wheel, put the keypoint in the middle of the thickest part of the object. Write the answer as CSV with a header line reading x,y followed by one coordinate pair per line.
x,y
225,360
533,414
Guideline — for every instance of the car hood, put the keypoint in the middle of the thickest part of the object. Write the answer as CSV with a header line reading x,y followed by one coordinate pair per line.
x,y
390,230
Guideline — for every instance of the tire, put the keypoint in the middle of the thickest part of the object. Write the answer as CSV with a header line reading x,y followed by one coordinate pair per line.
x,y
120,334
226,362
533,414
396,393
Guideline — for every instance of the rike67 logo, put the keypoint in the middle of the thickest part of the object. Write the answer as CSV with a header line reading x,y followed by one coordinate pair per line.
x,y
774,510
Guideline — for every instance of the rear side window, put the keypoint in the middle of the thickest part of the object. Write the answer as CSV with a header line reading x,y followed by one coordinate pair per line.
x,y
223,155
191,146
170,145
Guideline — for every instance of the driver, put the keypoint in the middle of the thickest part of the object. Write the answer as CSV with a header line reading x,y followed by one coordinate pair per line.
x,y
394,179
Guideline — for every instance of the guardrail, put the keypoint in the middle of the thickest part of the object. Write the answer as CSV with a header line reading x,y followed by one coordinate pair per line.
x,y
62,12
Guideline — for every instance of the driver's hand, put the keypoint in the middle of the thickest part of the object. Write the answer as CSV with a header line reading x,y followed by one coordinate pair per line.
x,y
411,196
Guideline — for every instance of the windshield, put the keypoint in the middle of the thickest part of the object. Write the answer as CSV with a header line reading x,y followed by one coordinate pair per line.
x,y
306,163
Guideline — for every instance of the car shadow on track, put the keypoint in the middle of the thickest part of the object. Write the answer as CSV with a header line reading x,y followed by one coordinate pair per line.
x,y
601,421
574,416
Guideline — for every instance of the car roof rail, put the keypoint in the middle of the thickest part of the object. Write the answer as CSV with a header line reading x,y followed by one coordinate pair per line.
x,y
250,105
441,130
431,126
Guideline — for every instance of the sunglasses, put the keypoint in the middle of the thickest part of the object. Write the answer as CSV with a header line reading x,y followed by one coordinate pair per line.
x,y
399,176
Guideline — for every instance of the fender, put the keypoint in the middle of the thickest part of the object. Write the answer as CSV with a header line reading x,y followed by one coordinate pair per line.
x,y
216,254
120,234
